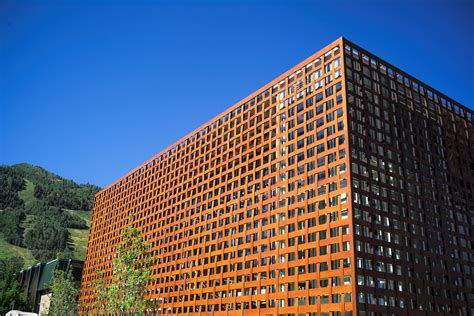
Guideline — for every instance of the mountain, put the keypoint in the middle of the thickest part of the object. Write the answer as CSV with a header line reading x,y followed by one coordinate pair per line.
x,y
42,215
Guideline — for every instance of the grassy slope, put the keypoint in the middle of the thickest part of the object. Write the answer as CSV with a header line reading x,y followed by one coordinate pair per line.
x,y
79,239
27,195
85,215
9,250
78,236
27,223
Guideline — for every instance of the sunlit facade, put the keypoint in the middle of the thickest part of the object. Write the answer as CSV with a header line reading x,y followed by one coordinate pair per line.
x,y
342,187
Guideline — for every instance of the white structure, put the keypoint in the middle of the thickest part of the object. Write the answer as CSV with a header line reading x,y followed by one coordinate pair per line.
x,y
20,313
44,303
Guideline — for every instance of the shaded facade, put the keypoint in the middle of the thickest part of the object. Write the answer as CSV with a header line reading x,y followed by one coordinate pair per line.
x,y
412,172
329,191
35,281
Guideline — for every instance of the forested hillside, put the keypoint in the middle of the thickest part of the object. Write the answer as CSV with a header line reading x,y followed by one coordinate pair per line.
x,y
42,215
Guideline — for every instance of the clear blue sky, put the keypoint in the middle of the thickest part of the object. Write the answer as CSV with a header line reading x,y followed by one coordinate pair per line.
x,y
90,90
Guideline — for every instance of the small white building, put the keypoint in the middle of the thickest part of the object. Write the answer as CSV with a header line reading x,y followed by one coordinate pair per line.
x,y
20,313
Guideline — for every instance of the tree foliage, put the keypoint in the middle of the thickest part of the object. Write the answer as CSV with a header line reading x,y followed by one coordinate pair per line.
x,y
11,294
48,234
64,293
11,182
46,238
57,191
131,274
42,209
10,229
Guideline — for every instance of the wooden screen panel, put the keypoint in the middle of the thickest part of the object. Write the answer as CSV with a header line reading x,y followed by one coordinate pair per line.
x,y
413,181
251,213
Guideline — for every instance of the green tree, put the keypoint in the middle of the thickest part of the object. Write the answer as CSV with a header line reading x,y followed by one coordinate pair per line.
x,y
101,291
131,273
46,238
11,294
11,182
64,293
53,189
10,230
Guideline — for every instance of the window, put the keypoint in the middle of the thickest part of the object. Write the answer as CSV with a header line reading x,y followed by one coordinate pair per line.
x,y
330,105
329,92
320,135
318,73
327,67
343,198
346,246
318,84
336,298
324,282
323,250
329,116
319,97
300,107
319,121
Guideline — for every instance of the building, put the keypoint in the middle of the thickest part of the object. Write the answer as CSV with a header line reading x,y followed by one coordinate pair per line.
x,y
20,313
35,281
342,187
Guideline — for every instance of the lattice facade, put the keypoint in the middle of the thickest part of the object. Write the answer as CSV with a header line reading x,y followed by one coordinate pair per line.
x,y
412,171
256,213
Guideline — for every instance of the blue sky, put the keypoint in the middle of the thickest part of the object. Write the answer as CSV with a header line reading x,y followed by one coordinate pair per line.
x,y
91,89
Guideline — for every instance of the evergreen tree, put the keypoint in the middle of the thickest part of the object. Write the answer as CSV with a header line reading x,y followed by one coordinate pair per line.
x,y
11,182
64,295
